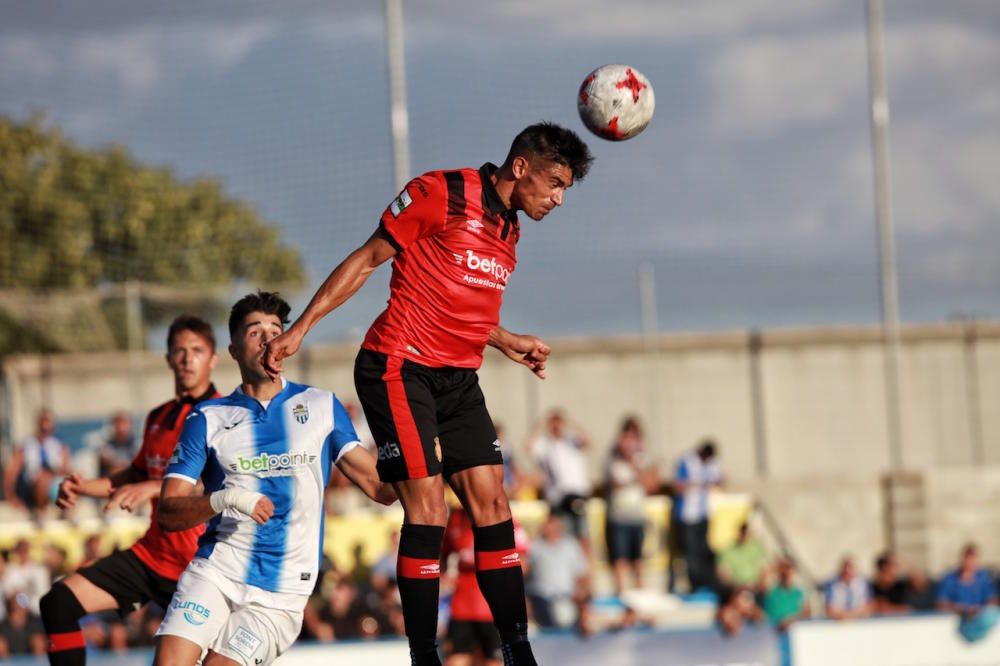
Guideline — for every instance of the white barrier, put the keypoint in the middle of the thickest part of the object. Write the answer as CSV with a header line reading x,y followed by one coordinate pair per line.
x,y
928,640
695,647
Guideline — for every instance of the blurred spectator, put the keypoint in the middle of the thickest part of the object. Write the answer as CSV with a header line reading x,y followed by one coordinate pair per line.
x,y
744,564
23,575
785,602
967,589
889,589
737,607
32,475
848,595
921,593
3,593
118,449
344,612
21,632
55,560
630,478
695,475
92,551
361,572
516,483
561,454
384,569
559,582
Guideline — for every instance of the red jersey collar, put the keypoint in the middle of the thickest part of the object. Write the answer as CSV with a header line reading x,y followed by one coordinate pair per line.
x,y
210,392
491,198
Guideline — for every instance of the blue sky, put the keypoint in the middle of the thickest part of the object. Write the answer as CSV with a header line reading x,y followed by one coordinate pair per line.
x,y
750,193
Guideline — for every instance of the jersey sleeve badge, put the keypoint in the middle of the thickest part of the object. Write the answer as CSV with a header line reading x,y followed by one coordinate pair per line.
x,y
400,203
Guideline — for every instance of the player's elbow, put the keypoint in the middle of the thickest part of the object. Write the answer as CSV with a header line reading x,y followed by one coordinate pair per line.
x,y
384,493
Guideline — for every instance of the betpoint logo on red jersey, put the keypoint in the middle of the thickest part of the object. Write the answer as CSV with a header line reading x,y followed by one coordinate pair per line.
x,y
488,265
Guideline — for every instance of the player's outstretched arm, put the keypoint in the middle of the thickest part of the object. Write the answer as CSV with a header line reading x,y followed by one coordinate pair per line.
x,y
359,466
132,495
74,485
181,508
527,350
339,286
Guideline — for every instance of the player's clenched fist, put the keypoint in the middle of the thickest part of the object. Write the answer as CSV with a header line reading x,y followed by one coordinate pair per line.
x,y
280,348
263,510
69,489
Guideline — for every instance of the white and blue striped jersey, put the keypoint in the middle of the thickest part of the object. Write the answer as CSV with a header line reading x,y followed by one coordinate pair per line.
x,y
691,506
283,450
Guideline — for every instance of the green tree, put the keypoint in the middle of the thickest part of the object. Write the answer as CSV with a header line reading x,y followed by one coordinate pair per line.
x,y
79,219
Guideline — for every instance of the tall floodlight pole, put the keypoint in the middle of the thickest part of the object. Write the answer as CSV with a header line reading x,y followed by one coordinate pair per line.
x,y
649,329
883,216
399,119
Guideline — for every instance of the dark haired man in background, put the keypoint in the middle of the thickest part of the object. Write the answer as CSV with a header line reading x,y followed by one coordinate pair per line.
x,y
149,570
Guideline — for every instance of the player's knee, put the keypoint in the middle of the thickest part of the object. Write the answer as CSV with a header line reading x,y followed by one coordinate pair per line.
x,y
424,504
60,609
490,509
428,513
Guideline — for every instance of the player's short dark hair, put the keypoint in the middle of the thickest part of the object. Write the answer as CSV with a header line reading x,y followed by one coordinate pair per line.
x,y
554,143
196,325
268,302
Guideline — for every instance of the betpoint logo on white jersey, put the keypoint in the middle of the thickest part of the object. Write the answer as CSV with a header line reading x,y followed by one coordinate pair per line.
x,y
488,265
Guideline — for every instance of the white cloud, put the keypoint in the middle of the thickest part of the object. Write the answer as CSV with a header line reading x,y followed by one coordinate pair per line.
x,y
134,58
776,82
657,18
21,54
333,29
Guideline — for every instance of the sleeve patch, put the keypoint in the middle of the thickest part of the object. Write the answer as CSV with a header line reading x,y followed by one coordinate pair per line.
x,y
400,203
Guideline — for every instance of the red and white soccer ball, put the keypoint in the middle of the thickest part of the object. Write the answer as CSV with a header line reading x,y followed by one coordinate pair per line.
x,y
616,102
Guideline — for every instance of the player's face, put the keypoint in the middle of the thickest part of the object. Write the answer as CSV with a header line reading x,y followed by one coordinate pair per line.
x,y
46,424
191,358
540,186
250,343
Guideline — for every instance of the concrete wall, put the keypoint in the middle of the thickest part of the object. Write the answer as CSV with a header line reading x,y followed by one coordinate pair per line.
x,y
817,408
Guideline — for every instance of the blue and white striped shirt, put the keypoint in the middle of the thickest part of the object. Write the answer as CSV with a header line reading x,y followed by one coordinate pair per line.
x,y
283,450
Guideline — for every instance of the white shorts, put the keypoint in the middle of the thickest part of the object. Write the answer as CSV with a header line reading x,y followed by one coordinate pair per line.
x,y
243,622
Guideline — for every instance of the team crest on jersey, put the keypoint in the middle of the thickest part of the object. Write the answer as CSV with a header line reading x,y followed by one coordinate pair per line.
x,y
301,413
400,203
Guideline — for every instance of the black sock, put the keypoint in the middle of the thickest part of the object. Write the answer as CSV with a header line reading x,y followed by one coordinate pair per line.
x,y
61,613
418,574
501,580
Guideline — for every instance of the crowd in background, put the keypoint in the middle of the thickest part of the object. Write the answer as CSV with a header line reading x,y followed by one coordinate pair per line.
x,y
751,585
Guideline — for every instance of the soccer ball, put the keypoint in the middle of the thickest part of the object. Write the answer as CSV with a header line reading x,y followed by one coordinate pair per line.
x,y
616,102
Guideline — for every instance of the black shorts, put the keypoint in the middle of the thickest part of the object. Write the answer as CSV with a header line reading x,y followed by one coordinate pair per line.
x,y
465,636
425,421
126,578
625,541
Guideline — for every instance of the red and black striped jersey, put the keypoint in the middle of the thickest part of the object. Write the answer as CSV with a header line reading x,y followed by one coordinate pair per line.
x,y
166,553
455,243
